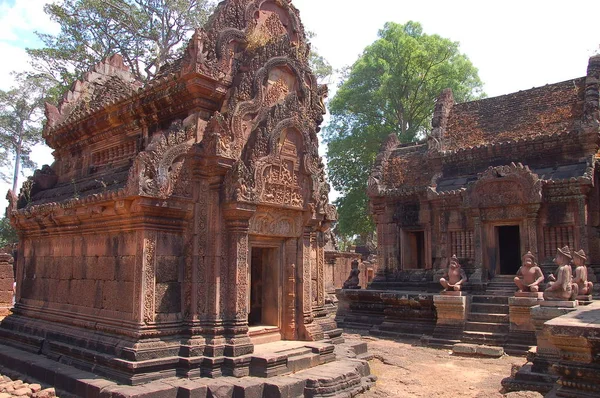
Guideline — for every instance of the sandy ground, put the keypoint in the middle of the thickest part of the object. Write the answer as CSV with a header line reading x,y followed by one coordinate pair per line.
x,y
409,370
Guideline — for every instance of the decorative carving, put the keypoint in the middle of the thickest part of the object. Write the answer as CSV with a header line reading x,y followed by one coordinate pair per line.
x,y
107,81
156,170
503,186
149,280
276,223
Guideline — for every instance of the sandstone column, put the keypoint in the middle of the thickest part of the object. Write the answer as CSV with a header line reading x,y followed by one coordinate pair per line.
x,y
236,283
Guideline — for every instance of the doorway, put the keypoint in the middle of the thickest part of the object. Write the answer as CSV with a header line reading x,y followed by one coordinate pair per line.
x,y
509,249
264,287
415,250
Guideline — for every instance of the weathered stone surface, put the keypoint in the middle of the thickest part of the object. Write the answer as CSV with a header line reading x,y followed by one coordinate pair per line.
x,y
512,164
6,284
200,205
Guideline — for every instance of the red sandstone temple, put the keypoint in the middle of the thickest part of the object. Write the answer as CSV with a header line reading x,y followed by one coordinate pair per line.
x,y
497,177
183,220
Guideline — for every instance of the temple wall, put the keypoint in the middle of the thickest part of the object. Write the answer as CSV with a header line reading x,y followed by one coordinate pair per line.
x,y
86,273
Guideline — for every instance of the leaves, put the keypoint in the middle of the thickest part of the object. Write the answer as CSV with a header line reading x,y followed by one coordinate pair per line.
x,y
147,33
21,113
391,88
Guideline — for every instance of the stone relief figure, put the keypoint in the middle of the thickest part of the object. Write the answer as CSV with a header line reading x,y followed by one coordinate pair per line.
x,y
353,282
454,277
581,274
529,276
561,286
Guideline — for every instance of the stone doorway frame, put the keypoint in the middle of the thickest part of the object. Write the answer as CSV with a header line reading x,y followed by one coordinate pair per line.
x,y
519,225
278,247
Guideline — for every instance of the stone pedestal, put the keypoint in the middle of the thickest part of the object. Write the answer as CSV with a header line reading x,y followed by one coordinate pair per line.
x,y
6,284
535,375
521,335
451,316
576,337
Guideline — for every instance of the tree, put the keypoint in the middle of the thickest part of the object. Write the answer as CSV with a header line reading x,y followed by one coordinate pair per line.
x,y
21,112
8,235
147,33
391,88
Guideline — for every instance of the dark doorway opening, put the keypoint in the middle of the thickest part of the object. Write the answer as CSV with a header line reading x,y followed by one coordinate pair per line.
x,y
264,287
416,250
509,249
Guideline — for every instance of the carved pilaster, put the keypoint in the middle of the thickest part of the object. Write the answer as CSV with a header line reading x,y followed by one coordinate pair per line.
x,y
477,240
289,296
149,267
532,225
305,277
235,273
582,223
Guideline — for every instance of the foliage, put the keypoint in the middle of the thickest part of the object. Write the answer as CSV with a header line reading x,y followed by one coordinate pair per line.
x,y
319,65
8,235
20,121
391,88
147,33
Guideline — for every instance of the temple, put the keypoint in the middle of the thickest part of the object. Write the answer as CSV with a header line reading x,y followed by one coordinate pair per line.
x,y
183,221
497,177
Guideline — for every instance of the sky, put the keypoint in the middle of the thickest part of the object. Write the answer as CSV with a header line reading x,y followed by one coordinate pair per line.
x,y
516,45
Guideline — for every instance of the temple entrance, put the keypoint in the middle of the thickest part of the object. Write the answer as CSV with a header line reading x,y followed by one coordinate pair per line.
x,y
509,249
414,257
264,287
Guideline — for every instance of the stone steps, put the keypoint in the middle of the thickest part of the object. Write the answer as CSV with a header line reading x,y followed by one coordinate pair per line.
x,y
488,299
497,328
487,338
489,308
492,318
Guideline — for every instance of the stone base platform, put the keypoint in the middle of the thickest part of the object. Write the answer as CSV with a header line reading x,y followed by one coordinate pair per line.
x,y
347,375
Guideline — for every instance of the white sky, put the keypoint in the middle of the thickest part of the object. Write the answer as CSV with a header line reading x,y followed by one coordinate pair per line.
x,y
515,45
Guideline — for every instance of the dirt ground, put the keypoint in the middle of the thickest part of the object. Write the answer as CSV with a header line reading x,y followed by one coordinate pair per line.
x,y
409,370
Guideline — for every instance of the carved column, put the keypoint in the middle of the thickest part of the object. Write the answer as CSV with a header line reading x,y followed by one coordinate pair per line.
x,y
304,278
582,223
531,225
478,240
289,331
149,276
235,275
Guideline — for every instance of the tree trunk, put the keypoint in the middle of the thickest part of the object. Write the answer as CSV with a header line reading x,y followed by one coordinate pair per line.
x,y
16,174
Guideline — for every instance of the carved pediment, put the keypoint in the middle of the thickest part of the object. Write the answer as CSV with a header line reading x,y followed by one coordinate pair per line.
x,y
507,185
107,81
156,170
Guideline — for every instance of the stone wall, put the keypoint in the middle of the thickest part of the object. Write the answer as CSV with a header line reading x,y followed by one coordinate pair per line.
x,y
6,284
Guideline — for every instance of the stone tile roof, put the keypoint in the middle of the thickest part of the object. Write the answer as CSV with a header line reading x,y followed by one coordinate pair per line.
x,y
556,173
546,110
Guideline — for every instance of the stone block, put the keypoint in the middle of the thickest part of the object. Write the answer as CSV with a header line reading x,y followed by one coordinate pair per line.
x,y
6,285
6,297
490,351
559,303
464,349
451,310
534,295
124,268
167,269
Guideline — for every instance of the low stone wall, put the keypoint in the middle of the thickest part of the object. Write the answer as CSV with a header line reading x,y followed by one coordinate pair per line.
x,y
386,313
337,269
6,284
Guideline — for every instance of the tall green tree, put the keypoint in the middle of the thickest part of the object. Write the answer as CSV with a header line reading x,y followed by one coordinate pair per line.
x,y
391,88
21,113
147,33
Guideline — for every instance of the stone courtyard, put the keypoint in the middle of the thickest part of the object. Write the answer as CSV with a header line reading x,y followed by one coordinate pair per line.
x,y
181,244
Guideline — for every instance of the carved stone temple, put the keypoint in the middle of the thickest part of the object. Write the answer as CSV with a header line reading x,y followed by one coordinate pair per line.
x,y
497,177
183,220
